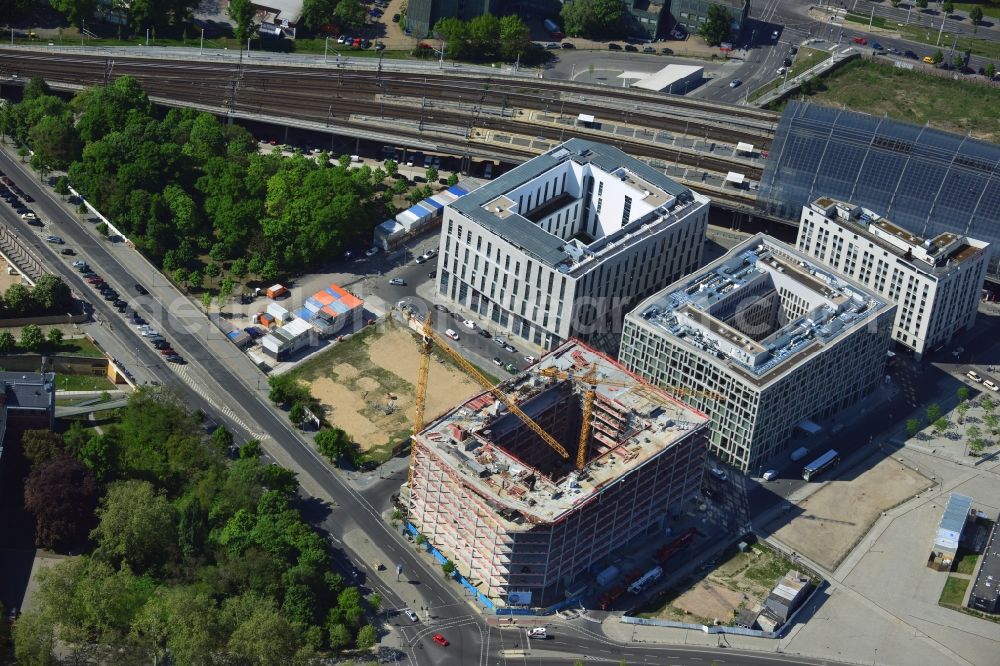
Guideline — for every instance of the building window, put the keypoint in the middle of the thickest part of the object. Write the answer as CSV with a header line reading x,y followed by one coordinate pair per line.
x,y
626,210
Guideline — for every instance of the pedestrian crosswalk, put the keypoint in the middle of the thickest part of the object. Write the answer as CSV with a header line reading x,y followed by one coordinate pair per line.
x,y
186,375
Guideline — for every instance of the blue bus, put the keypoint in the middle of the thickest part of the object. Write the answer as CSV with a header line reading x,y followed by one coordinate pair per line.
x,y
820,465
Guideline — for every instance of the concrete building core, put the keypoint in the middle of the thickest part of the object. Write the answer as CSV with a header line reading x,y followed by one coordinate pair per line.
x,y
764,341
515,516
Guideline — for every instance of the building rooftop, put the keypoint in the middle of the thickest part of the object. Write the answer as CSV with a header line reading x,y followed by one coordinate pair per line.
x,y
657,202
524,480
937,255
763,308
28,390
987,583
956,514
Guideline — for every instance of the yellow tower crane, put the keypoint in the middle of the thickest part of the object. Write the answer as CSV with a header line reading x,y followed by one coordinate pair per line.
x,y
430,337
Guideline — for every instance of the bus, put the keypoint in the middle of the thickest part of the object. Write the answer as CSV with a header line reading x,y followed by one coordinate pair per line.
x,y
829,459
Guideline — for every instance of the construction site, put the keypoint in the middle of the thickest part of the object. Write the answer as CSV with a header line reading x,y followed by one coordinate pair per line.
x,y
531,486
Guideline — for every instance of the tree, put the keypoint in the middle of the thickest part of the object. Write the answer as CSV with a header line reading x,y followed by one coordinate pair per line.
x,y
990,70
962,409
32,337
375,602
263,638
350,13
297,414
41,446
937,57
595,19
515,37
391,168
717,26
18,299
206,300
34,639
941,425
972,432
987,404
963,393
62,186
958,62
55,338
55,141
483,33
340,637
894,3
62,495
933,412
431,174
912,427
317,12
51,293
922,4
242,12
448,568
7,342
991,422
137,526
948,8
367,636
977,445
453,179
976,14
222,439
332,443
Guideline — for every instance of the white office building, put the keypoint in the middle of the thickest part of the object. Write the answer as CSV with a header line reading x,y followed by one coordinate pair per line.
x,y
763,340
935,282
565,244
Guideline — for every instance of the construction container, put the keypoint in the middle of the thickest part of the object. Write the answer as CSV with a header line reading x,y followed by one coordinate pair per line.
x,y
277,291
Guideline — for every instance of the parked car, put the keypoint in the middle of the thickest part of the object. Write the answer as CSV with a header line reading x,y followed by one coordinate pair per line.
x,y
552,46
395,18
648,49
68,251
55,240
991,385
974,376
770,475
371,252
530,360
177,358
469,324
451,334
631,49
614,47
141,290
568,45
397,282
510,348
483,332
498,361
719,473
440,308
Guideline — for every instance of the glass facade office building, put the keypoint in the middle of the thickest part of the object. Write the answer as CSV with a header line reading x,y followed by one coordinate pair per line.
x,y
925,180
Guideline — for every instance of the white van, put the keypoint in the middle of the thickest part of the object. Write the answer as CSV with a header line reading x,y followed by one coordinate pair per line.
x,y
538,632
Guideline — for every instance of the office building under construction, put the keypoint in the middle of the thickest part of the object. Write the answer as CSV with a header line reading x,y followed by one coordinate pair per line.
x,y
525,519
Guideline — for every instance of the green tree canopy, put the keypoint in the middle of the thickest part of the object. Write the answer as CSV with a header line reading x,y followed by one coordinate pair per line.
x,y
350,13
137,526
594,19
32,338
718,26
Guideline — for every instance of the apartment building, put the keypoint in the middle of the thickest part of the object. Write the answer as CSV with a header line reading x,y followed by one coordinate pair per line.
x,y
763,340
564,245
935,282
525,522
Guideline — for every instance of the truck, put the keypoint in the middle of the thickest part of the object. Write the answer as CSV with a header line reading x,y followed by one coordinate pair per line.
x,y
650,576
609,597
553,29
607,575
675,546
799,453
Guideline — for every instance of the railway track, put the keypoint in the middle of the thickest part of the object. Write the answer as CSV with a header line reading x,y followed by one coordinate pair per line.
x,y
334,96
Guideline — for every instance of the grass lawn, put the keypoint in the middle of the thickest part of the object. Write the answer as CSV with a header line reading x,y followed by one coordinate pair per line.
x,y
79,347
913,97
967,564
805,59
954,591
83,383
988,10
766,568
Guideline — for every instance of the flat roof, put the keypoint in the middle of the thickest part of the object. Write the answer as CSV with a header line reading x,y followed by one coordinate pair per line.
x,y
703,309
937,255
987,583
479,204
668,76
28,390
649,421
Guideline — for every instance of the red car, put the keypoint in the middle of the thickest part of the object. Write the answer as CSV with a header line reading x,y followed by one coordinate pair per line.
x,y
441,640
860,40
167,351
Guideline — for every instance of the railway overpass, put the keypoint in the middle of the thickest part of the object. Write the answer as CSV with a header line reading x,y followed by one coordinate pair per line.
x,y
470,114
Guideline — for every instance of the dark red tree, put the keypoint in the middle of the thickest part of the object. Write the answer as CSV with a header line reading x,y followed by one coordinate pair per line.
x,y
62,495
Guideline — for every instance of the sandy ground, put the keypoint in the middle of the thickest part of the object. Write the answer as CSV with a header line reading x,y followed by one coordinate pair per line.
x,y
371,395
709,600
832,520
7,280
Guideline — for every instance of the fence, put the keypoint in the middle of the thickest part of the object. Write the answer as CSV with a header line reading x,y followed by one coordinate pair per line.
x,y
483,599
915,66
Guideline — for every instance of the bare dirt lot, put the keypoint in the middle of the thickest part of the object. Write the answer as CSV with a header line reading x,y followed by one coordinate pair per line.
x,y
742,581
368,385
835,517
